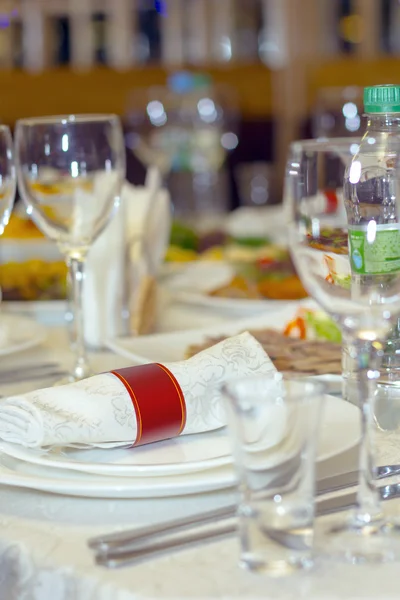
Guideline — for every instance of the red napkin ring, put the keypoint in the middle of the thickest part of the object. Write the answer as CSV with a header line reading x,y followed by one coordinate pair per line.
x,y
158,401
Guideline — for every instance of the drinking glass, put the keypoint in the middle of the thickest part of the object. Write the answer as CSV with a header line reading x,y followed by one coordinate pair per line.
x,y
186,130
70,174
365,312
338,112
7,176
274,427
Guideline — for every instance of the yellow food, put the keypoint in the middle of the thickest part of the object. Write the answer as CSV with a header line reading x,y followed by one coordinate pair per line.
x,y
214,253
56,188
238,253
21,228
239,287
177,254
289,288
34,279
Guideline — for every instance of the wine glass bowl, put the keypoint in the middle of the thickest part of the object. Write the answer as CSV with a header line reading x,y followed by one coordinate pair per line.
x,y
186,129
174,128
70,174
7,176
326,184
319,240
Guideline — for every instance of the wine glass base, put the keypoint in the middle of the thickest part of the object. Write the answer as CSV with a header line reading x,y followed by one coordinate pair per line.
x,y
69,379
76,375
359,543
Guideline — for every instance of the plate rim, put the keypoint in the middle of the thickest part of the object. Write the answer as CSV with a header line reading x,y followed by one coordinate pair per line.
x,y
221,480
229,327
39,336
21,453
233,304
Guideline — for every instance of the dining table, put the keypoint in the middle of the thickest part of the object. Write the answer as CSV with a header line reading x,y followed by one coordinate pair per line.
x,y
44,553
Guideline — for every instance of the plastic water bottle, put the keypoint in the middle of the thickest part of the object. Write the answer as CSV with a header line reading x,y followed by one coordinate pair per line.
x,y
371,204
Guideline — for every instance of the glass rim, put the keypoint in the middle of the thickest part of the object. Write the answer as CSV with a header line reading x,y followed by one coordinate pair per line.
x,y
228,387
68,119
324,143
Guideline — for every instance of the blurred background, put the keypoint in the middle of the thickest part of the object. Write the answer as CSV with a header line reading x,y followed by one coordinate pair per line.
x,y
273,70
209,91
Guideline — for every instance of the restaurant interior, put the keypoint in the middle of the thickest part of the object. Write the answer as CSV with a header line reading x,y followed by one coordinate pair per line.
x,y
199,299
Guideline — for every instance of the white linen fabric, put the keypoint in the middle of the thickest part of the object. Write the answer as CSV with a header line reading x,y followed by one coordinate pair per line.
x,y
98,411
131,246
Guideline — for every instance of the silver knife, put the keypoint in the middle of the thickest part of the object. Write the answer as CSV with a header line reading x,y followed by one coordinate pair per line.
x,y
141,548
324,486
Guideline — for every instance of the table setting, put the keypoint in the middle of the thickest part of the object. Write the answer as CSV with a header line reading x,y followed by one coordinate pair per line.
x,y
206,413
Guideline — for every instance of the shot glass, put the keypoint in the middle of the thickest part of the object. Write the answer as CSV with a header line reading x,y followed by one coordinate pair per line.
x,y
386,404
274,429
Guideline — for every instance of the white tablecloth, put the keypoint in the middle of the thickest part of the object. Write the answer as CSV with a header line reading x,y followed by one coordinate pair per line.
x,y
44,556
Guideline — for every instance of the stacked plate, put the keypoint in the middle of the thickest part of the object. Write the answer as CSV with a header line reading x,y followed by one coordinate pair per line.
x,y
187,465
18,333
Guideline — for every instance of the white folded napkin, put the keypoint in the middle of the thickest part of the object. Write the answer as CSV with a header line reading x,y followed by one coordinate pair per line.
x,y
99,411
148,218
131,247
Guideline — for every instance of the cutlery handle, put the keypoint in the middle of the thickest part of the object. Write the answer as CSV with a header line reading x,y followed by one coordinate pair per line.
x,y
387,471
31,376
134,549
341,481
134,536
123,556
27,368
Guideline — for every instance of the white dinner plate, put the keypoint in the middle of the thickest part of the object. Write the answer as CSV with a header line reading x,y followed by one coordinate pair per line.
x,y
191,283
18,473
46,312
186,454
169,347
20,333
242,305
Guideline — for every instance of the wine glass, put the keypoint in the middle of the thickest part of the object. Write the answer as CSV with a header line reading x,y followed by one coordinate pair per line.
x,y
338,112
70,174
7,176
365,311
186,130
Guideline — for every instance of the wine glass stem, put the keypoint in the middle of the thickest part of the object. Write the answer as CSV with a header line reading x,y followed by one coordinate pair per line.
x,y
76,266
368,504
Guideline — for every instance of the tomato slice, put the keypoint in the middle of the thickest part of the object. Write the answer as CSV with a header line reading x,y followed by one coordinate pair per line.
x,y
265,262
298,324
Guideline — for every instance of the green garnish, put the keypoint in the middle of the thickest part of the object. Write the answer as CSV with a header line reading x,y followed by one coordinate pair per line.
x,y
323,326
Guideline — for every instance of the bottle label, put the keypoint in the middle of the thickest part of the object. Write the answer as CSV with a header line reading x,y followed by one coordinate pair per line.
x,y
374,250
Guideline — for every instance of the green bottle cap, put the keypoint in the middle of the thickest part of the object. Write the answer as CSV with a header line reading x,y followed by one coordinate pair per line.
x,y
382,99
